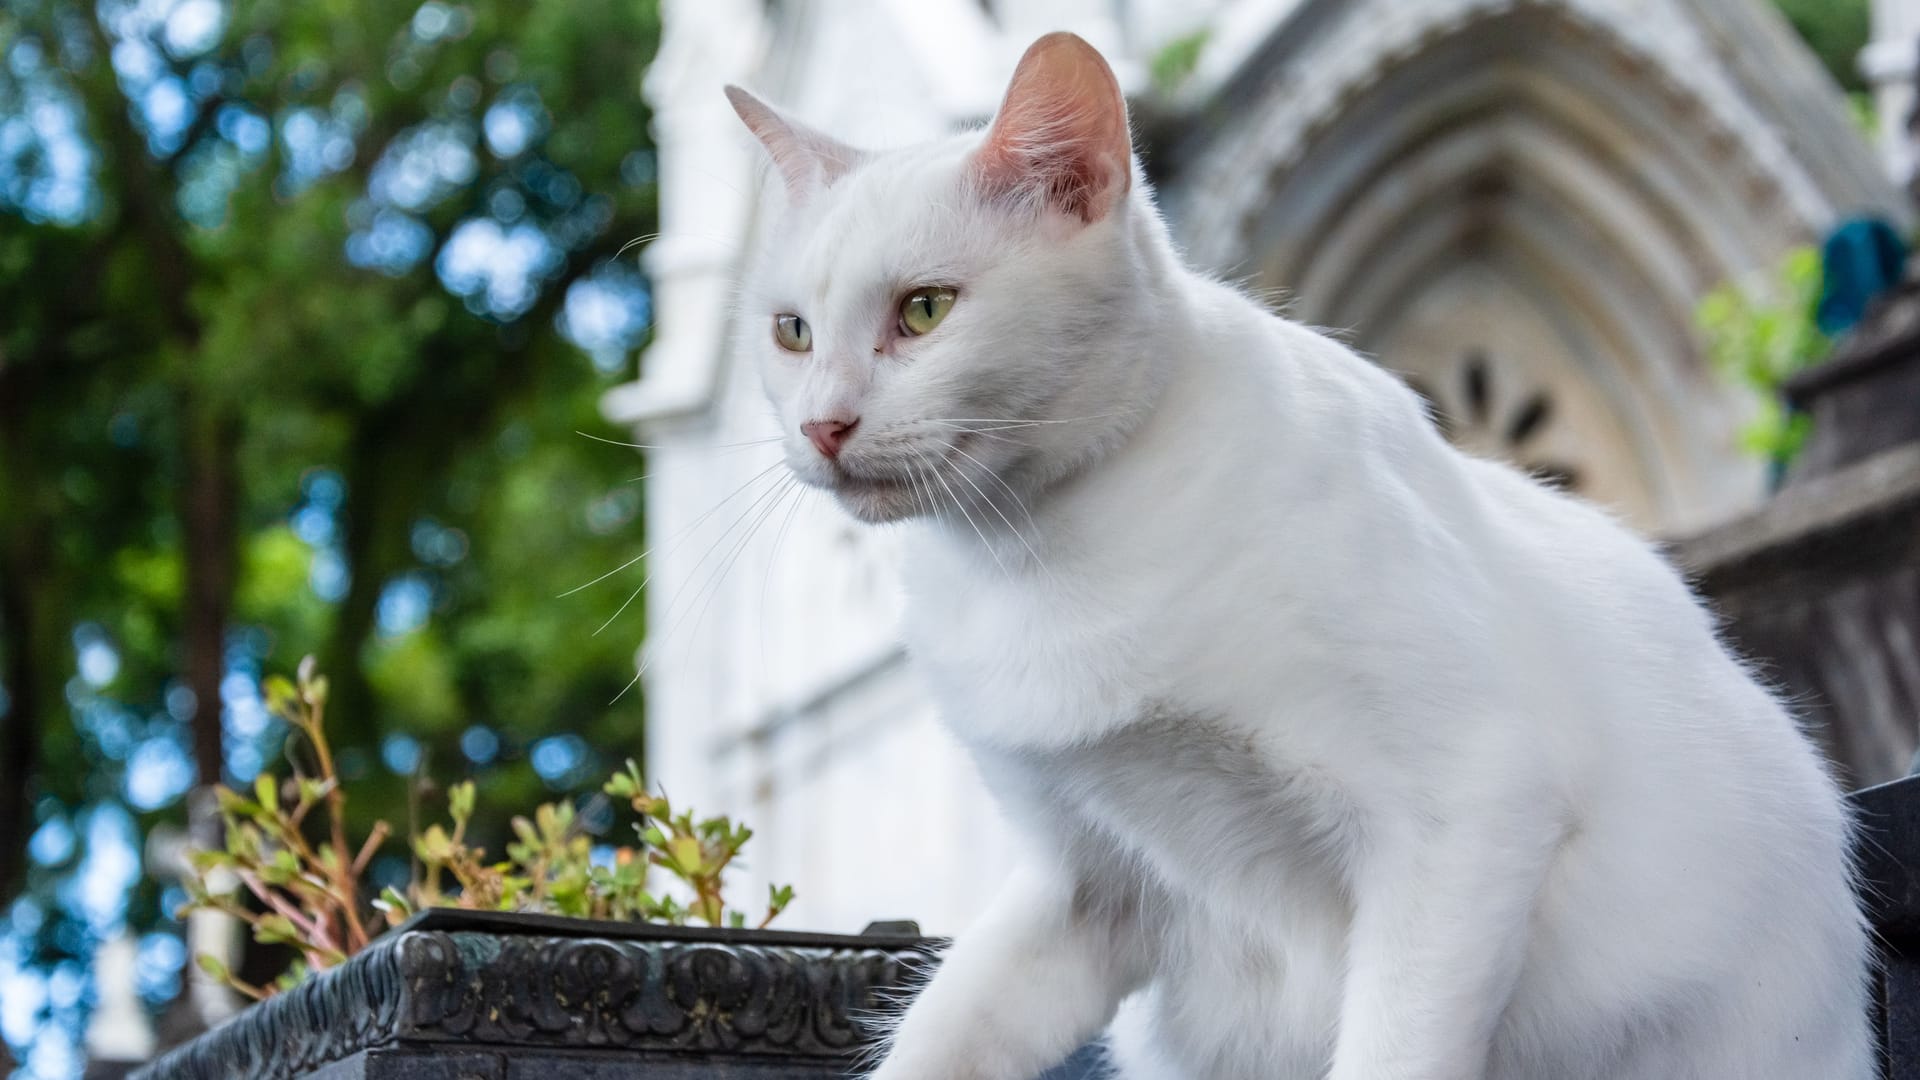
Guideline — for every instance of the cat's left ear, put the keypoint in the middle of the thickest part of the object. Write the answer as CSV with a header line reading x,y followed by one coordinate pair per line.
x,y
1060,138
808,160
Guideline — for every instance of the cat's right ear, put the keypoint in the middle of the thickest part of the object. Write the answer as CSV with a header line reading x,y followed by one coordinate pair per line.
x,y
807,159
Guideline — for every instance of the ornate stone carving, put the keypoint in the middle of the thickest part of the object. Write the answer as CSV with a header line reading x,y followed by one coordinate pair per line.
x,y
506,981
1480,416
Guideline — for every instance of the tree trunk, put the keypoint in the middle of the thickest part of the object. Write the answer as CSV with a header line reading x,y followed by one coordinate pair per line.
x,y
208,504
373,542
209,518
20,727
22,569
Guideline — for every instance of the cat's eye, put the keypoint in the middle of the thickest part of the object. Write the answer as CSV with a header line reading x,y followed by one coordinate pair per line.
x,y
792,333
923,309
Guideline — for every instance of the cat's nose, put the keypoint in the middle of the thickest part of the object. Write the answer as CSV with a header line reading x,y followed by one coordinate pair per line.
x,y
828,436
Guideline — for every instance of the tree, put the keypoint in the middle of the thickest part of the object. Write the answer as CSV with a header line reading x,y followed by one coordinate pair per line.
x,y
304,302
1836,30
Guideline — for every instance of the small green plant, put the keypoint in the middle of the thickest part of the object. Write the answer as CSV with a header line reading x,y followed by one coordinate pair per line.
x,y
1176,61
1758,335
310,893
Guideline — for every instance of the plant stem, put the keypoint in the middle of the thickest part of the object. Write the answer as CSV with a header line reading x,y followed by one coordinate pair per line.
x,y
342,870
374,839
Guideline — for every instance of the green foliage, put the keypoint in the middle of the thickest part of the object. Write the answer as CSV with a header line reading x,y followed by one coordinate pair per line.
x,y
205,315
1758,335
1836,30
216,332
311,895
1174,64
306,892
1866,117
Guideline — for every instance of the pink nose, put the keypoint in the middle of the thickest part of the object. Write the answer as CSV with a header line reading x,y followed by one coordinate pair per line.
x,y
828,436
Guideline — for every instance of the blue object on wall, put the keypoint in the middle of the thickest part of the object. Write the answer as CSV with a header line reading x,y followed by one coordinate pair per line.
x,y
1862,258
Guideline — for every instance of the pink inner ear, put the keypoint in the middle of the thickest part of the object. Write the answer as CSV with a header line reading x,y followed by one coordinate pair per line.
x,y
1060,137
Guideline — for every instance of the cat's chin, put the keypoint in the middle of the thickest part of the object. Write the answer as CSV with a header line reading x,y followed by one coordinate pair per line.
x,y
877,502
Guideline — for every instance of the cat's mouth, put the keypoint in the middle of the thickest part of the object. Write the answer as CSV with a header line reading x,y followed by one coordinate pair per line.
x,y
876,496
857,483
884,486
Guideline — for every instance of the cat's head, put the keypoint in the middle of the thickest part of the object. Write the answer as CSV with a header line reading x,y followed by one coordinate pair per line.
x,y
940,324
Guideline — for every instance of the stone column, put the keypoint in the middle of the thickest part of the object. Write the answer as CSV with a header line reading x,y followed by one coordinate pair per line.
x,y
1889,64
118,1031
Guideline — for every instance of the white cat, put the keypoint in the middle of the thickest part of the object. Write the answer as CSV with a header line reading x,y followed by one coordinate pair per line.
x,y
1345,755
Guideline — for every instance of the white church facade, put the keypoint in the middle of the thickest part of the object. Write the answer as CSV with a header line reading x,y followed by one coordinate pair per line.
x,y
1515,203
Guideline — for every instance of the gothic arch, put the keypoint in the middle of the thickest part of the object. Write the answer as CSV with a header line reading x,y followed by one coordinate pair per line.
x,y
1520,197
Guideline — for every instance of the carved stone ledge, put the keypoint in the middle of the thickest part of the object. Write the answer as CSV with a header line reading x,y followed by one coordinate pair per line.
x,y
484,988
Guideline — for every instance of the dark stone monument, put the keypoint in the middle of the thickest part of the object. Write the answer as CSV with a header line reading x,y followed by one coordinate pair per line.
x,y
1821,586
1821,589
462,995
1888,851
1866,398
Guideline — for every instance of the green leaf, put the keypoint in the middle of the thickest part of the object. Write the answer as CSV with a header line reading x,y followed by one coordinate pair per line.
x,y
686,854
232,802
460,798
204,860
393,905
282,700
292,977
282,868
524,829
275,929
1176,61
434,845
212,965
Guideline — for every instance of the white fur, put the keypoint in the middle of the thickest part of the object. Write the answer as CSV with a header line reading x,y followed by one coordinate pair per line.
x,y
1343,754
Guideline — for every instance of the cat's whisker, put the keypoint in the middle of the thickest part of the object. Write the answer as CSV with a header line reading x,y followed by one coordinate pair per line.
x,y
640,671
635,242
995,477
961,473
679,235
772,493
739,549
961,505
642,587
983,433
650,446
1029,421
773,558
925,505
694,524
777,492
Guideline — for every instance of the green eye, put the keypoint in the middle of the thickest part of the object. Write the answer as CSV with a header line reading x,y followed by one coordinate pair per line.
x,y
792,333
923,309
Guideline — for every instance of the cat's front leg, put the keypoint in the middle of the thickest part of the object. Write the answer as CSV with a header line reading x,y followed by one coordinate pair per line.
x,y
1040,973
1440,925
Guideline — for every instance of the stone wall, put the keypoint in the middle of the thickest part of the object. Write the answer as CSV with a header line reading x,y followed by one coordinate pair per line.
x,y
1821,589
